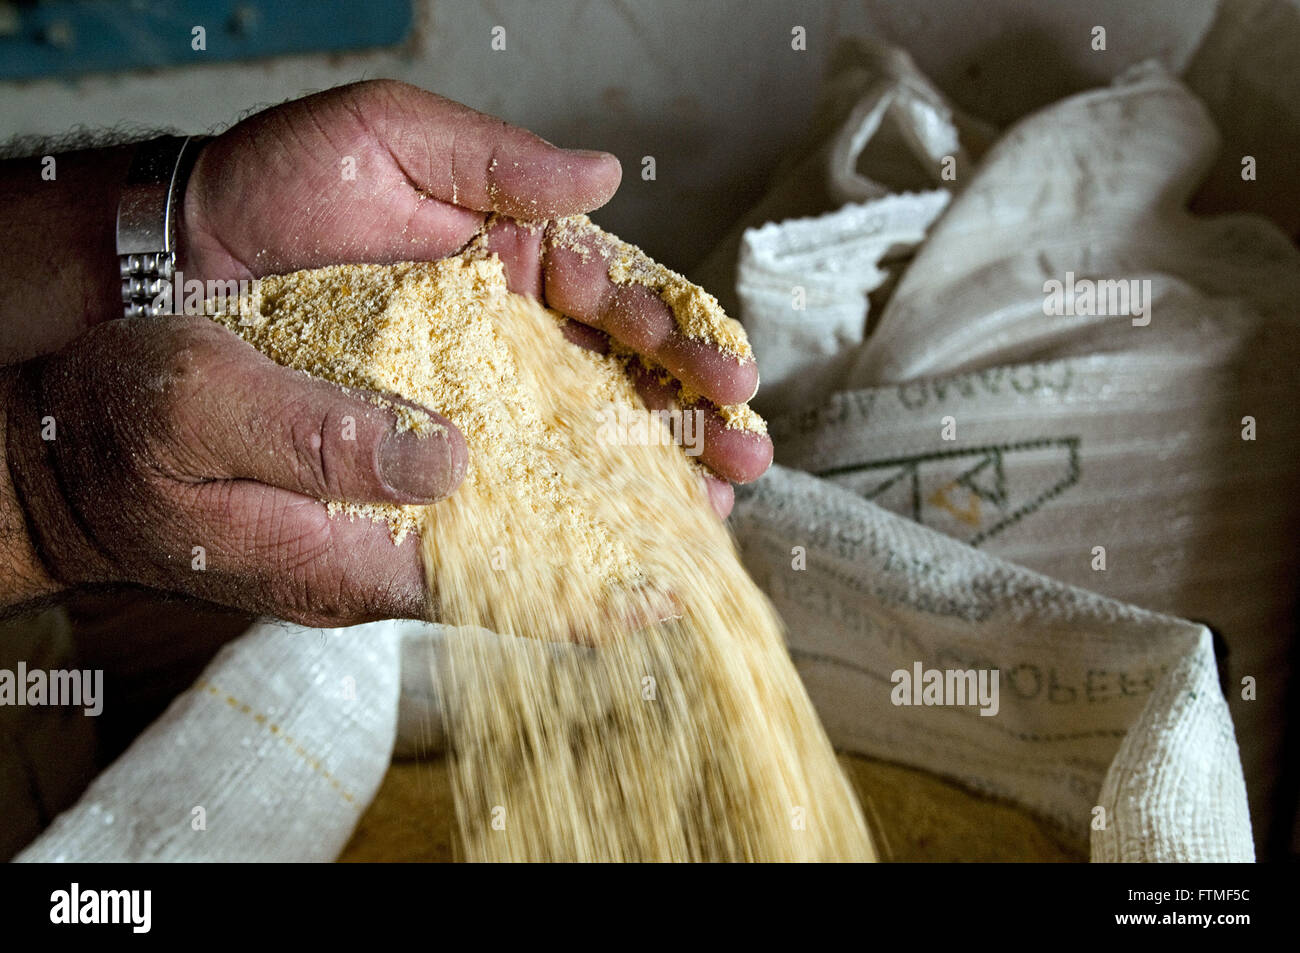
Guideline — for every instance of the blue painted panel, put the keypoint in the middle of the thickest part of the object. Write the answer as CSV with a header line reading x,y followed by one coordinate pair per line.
x,y
66,37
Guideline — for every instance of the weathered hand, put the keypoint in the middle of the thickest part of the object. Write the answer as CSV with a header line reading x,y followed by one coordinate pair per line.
x,y
382,171
166,452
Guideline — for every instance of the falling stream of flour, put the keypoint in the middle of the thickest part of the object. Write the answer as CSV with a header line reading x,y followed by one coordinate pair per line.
x,y
633,698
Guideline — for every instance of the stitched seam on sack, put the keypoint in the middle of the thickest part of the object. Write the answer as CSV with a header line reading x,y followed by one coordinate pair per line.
x,y
274,728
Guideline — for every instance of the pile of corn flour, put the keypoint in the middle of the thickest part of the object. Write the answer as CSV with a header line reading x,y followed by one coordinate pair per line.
x,y
677,728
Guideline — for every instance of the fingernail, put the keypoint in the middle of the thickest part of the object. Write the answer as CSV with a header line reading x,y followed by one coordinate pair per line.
x,y
591,153
423,469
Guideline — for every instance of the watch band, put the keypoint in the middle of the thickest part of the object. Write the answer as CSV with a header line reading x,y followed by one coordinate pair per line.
x,y
147,219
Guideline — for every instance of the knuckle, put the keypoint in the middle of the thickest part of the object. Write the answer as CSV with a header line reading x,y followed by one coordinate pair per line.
x,y
380,86
192,355
337,452
307,434
380,95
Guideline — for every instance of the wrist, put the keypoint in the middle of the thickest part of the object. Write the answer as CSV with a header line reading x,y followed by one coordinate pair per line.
x,y
58,243
25,580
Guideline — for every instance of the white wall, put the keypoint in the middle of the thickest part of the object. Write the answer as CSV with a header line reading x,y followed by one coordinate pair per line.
x,y
711,88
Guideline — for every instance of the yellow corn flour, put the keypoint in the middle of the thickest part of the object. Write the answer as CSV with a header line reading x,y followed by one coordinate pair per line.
x,y
615,687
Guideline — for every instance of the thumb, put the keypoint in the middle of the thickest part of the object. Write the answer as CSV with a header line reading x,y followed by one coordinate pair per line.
x,y
281,427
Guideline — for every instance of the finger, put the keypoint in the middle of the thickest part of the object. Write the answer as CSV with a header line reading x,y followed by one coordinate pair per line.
x,y
577,283
241,415
519,246
277,552
721,496
477,161
579,287
660,396
740,456
585,336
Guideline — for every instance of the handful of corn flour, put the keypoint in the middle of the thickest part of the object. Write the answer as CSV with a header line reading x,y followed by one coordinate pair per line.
x,y
683,732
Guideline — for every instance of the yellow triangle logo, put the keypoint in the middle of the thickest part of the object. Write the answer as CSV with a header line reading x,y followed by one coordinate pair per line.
x,y
970,515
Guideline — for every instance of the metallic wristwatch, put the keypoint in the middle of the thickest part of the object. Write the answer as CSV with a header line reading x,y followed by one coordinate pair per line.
x,y
147,219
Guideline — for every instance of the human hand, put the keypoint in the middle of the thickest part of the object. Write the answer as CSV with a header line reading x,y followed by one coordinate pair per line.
x,y
166,452
381,172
